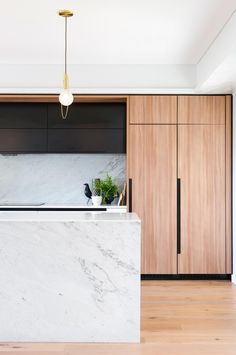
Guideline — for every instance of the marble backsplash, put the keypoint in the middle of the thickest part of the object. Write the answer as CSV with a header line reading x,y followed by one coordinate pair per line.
x,y
55,178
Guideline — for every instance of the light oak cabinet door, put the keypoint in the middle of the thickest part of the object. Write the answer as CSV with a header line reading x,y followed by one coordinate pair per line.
x,y
201,109
197,150
153,170
153,109
201,168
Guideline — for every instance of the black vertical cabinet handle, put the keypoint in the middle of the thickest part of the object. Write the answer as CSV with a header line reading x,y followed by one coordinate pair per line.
x,y
130,195
178,216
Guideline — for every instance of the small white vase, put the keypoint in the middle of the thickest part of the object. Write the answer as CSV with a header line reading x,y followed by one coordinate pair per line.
x,y
96,200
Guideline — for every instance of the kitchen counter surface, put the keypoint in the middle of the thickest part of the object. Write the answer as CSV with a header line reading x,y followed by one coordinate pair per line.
x,y
69,276
67,216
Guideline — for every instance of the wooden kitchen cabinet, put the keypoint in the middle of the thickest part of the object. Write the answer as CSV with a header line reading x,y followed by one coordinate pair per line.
x,y
181,182
153,109
152,168
201,169
201,109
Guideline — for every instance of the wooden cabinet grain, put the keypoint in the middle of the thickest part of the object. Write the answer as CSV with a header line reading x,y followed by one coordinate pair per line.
x,y
201,109
199,154
152,167
201,168
153,109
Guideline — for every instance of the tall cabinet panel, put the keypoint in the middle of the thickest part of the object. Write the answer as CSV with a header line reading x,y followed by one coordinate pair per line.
x,y
179,160
201,168
152,168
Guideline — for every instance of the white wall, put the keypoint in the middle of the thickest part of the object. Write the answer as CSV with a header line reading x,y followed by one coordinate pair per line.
x,y
91,78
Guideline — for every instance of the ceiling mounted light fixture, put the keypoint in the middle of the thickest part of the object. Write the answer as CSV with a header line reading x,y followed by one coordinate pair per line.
x,y
66,98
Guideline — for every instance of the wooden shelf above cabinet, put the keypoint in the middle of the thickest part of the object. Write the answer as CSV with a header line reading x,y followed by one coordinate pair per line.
x,y
54,98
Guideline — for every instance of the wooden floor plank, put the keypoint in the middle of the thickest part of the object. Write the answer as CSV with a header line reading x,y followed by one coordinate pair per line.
x,y
177,318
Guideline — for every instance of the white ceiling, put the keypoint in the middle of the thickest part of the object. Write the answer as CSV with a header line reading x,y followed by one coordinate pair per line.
x,y
111,31
223,78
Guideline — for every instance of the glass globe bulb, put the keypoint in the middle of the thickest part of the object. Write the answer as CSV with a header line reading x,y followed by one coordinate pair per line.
x,y
66,98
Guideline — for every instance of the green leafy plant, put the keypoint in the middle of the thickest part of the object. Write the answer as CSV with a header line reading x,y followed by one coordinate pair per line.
x,y
106,188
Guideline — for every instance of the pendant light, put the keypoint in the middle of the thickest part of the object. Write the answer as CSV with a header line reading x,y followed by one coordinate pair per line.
x,y
66,98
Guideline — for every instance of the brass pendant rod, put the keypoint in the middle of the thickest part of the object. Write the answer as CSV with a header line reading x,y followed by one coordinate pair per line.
x,y
65,45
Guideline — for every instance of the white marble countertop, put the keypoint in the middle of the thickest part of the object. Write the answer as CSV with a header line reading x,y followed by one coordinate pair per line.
x,y
67,216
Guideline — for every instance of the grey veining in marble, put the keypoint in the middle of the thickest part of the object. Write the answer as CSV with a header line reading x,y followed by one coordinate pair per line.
x,y
75,281
54,178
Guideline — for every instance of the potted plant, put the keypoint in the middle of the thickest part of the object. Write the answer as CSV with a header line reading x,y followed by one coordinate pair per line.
x,y
107,189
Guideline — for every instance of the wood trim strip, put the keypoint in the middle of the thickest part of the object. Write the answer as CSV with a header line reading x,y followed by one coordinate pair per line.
x,y
54,98
228,192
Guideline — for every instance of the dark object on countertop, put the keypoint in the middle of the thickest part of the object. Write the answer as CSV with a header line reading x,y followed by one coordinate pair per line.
x,y
109,199
87,192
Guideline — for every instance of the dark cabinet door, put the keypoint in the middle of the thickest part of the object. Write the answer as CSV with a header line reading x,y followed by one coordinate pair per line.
x,y
39,127
86,141
23,140
23,115
88,115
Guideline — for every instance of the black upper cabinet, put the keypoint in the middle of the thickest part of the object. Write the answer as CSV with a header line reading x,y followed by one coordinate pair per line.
x,y
39,128
23,140
23,115
88,115
86,141
88,128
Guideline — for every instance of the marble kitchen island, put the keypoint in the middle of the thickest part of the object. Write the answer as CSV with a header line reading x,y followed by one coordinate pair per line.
x,y
69,276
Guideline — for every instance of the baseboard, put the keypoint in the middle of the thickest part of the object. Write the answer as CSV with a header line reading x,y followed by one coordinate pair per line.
x,y
188,277
233,279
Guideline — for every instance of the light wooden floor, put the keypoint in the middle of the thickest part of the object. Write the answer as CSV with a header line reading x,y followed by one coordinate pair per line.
x,y
178,317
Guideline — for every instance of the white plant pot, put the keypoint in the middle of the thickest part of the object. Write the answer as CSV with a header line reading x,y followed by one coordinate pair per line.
x,y
96,200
